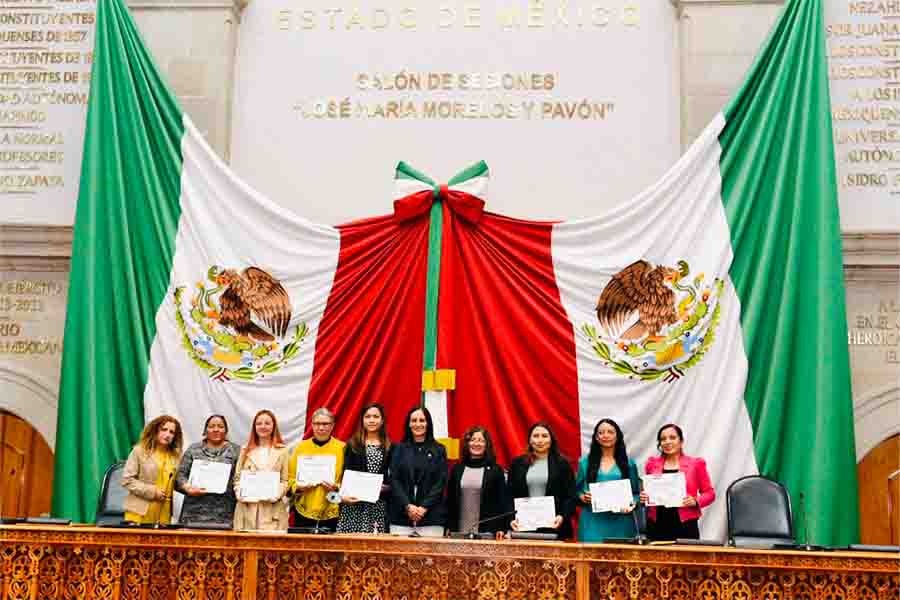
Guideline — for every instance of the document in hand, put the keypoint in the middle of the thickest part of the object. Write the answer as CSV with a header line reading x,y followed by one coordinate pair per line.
x,y
612,495
259,485
210,476
361,485
532,513
316,469
668,489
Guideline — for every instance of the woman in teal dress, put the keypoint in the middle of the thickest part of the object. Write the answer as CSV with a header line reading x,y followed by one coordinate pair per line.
x,y
608,460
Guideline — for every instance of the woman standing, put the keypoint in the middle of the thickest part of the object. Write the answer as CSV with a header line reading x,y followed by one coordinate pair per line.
x,y
264,452
664,523
149,472
199,505
542,471
418,478
311,507
369,451
607,461
477,489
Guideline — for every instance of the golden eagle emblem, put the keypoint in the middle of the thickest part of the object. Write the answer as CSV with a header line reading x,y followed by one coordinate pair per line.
x,y
235,325
654,322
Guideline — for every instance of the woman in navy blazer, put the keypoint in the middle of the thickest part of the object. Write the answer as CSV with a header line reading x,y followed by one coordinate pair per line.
x,y
560,480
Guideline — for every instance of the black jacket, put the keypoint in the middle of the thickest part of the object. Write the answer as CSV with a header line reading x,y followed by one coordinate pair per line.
x,y
495,499
560,485
356,461
429,489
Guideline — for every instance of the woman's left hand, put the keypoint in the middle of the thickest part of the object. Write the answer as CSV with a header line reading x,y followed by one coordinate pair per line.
x,y
689,501
557,521
628,509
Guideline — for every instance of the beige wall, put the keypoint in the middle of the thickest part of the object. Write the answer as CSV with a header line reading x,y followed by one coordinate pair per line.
x,y
194,41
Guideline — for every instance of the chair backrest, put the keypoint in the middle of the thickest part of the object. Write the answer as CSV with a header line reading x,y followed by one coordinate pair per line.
x,y
759,512
110,504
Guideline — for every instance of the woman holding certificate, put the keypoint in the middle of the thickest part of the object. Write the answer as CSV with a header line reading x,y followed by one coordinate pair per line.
x,y
149,472
368,451
477,499
672,520
205,476
262,477
607,462
315,469
418,478
539,473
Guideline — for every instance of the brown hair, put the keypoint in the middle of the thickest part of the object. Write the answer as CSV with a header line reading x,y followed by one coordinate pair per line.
x,y
277,441
358,441
489,455
148,436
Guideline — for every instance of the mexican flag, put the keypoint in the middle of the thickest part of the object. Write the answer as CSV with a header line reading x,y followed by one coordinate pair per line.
x,y
713,300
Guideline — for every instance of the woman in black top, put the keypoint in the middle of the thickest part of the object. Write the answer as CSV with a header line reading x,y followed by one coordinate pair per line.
x,y
418,479
368,451
477,488
542,471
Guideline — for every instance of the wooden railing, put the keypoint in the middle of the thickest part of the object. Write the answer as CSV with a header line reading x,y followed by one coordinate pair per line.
x,y
38,562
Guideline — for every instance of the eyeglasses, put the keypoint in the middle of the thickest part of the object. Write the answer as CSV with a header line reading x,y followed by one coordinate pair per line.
x,y
328,424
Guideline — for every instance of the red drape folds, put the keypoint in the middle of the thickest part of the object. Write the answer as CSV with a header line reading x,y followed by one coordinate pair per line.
x,y
370,342
502,326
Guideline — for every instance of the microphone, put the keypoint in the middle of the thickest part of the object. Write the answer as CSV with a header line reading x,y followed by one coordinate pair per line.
x,y
639,537
806,545
472,533
159,513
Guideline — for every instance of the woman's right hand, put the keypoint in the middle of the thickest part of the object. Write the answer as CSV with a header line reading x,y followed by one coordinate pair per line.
x,y
514,525
349,500
161,494
586,497
644,497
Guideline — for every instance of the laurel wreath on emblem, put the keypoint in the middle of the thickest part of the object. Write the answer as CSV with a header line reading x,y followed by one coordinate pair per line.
x,y
653,325
236,327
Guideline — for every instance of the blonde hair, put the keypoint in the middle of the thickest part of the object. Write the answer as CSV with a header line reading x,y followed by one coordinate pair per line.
x,y
149,437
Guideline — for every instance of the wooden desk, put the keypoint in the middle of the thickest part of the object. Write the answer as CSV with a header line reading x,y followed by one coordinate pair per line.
x,y
89,563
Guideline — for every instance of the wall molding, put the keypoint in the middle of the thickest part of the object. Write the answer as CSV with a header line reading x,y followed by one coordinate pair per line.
x,y
875,418
686,3
41,414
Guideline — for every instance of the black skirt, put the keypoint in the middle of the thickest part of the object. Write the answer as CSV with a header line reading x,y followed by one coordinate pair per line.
x,y
668,526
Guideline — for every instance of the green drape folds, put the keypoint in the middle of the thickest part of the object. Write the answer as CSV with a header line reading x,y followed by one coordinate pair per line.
x,y
125,228
780,195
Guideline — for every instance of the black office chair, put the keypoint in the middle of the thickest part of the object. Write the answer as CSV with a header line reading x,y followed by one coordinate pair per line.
x,y
110,509
759,512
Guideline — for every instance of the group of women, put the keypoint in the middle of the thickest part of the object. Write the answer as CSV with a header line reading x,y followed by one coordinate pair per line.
x,y
419,494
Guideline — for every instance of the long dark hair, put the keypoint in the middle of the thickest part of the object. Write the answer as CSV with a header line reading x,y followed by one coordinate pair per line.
x,y
554,447
429,430
619,452
358,441
489,456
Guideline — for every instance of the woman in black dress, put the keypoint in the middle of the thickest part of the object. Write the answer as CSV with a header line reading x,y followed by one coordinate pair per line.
x,y
367,451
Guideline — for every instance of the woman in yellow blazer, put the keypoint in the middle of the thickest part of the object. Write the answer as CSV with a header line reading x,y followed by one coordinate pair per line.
x,y
149,473
264,452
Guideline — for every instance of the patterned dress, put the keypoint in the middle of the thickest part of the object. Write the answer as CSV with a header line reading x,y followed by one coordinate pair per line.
x,y
208,508
366,517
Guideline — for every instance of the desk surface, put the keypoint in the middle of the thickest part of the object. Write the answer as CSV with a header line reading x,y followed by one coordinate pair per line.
x,y
89,562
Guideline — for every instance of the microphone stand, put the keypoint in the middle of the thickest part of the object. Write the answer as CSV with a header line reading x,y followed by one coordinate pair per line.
x,y
472,534
156,525
638,537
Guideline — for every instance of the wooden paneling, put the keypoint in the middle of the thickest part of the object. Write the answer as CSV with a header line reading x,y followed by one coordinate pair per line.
x,y
88,563
879,495
26,469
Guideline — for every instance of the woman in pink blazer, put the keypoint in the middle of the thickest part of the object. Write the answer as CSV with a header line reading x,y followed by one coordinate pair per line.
x,y
664,523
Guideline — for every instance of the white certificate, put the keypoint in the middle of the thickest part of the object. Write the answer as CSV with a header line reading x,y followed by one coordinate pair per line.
x,y
668,489
532,513
260,485
316,469
210,476
361,485
612,495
